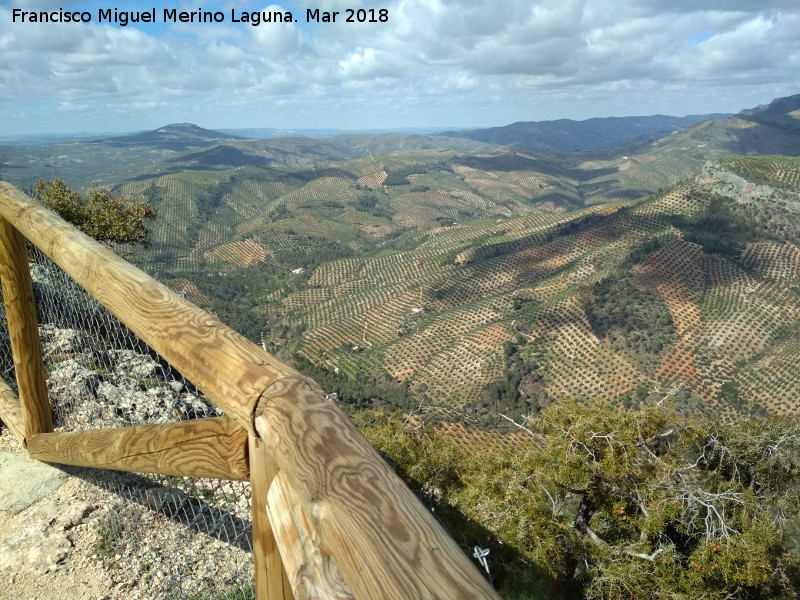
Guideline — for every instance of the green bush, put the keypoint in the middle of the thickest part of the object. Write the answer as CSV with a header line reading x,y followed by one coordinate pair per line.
x,y
103,217
645,503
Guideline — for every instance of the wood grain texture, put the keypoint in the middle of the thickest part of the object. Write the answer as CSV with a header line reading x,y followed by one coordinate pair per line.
x,y
227,367
313,575
11,411
23,330
211,448
271,580
344,501
384,541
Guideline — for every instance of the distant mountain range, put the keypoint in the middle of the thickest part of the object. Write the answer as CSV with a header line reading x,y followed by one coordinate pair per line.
x,y
176,136
632,156
566,135
271,132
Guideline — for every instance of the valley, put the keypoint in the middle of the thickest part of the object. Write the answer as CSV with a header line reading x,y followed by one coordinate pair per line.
x,y
578,360
479,280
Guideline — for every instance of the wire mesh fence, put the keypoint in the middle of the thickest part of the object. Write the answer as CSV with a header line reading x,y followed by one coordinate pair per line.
x,y
164,537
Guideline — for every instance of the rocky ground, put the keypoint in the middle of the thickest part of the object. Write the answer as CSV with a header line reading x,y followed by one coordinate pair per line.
x,y
47,548
107,535
88,533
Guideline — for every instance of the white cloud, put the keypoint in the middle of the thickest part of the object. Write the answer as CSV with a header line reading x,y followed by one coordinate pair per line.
x,y
367,64
434,61
278,40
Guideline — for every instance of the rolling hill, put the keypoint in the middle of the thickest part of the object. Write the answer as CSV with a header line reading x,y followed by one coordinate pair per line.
x,y
375,202
467,293
175,148
566,135
610,302
765,130
486,279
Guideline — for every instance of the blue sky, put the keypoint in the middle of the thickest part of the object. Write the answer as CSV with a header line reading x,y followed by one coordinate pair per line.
x,y
434,63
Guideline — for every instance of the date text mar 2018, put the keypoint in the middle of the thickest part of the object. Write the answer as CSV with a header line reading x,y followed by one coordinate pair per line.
x,y
361,15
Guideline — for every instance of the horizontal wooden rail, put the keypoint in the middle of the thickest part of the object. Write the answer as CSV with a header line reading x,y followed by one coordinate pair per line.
x,y
384,542
213,448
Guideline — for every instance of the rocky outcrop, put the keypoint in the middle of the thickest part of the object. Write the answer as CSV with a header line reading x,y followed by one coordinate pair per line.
x,y
719,180
43,542
102,387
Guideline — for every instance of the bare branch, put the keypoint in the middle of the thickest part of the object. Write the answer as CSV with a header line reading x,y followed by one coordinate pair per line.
x,y
674,391
650,557
536,436
413,412
705,511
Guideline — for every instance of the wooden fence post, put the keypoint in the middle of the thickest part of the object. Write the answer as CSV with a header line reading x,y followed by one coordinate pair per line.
x,y
312,573
10,411
23,330
270,575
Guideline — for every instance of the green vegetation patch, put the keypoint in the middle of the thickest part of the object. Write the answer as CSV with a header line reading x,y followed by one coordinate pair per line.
x,y
279,212
635,321
399,176
370,203
598,498
722,228
113,220
358,392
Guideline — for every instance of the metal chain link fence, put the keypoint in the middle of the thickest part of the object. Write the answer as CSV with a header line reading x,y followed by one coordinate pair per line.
x,y
162,537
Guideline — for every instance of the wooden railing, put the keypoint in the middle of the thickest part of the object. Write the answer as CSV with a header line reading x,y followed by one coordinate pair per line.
x,y
330,518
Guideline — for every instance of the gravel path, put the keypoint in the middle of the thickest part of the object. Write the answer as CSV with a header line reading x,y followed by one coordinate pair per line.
x,y
108,535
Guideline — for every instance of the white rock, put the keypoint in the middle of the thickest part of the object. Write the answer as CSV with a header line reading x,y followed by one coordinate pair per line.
x,y
34,547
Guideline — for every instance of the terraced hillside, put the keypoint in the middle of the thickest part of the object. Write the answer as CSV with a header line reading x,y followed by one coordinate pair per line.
x,y
490,281
234,217
691,288
486,280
